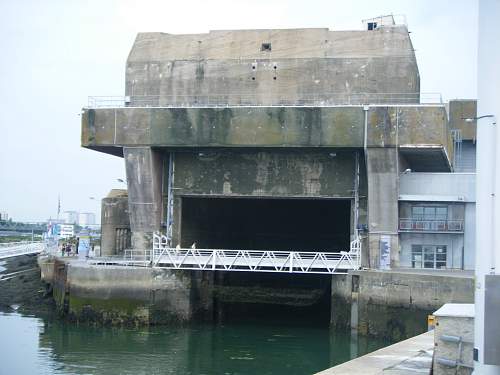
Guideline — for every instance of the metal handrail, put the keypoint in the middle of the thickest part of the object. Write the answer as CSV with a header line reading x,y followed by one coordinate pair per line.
x,y
319,99
433,225
167,257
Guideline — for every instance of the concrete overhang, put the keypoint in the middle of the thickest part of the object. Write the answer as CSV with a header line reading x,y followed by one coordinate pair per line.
x,y
426,158
421,129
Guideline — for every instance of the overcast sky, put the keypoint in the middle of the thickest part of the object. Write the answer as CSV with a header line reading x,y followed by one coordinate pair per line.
x,y
54,54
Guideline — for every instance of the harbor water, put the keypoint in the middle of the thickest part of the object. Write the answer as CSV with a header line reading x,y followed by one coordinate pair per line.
x,y
48,345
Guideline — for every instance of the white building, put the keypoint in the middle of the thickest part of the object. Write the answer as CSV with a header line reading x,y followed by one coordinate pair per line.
x,y
436,220
86,218
70,217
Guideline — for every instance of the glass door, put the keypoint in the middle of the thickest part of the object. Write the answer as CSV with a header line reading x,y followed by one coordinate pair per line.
x,y
428,256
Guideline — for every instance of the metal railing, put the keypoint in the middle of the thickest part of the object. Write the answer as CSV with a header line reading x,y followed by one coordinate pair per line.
x,y
431,225
269,100
13,249
164,256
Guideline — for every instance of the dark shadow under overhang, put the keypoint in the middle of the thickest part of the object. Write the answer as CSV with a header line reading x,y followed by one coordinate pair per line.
x,y
111,150
426,158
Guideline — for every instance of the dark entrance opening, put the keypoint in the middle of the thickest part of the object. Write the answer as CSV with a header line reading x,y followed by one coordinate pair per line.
x,y
268,224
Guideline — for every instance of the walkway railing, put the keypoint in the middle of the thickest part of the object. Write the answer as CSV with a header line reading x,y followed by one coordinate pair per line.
x,y
164,256
415,225
13,249
271,100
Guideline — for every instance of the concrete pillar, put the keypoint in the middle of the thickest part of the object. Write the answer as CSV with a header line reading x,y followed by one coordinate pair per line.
x,y
114,217
382,177
144,168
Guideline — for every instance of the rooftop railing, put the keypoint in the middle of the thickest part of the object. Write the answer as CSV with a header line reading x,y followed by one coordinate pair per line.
x,y
269,100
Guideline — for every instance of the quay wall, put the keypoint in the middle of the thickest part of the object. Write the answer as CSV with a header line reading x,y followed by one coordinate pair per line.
x,y
387,304
394,304
125,295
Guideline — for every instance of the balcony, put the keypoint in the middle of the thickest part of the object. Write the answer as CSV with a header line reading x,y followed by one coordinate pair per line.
x,y
416,225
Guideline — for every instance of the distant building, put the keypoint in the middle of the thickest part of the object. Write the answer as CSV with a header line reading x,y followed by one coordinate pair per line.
x,y
86,218
70,217
4,216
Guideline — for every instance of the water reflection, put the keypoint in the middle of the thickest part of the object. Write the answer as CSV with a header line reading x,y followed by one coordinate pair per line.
x,y
44,346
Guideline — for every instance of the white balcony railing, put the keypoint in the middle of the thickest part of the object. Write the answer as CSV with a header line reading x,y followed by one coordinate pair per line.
x,y
416,225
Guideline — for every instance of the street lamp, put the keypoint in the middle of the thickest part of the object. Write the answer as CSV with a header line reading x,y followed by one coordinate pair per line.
x,y
487,240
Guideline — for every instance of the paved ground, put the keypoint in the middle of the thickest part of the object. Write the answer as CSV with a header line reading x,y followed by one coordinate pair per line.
x,y
409,357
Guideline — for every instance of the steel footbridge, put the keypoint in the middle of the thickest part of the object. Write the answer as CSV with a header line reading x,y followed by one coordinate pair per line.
x,y
164,256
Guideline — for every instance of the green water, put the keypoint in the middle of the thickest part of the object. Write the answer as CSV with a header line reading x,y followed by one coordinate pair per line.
x,y
34,345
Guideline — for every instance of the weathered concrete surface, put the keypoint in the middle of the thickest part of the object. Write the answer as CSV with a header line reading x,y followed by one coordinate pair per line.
x,y
286,174
266,127
302,63
127,295
395,304
415,125
412,356
224,127
459,110
144,168
114,217
271,174
382,175
456,320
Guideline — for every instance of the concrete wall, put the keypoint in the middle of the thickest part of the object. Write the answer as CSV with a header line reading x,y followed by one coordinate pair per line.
x,y
286,174
144,168
394,304
127,295
267,127
454,243
303,64
439,186
459,110
382,177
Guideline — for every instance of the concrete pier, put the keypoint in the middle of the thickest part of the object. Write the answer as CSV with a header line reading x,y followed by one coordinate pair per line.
x,y
409,357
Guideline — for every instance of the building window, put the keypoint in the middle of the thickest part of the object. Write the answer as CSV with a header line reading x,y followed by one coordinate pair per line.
x,y
429,212
428,256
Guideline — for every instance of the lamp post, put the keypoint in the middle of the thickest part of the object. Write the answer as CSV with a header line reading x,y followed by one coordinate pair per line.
x,y
487,236
487,267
